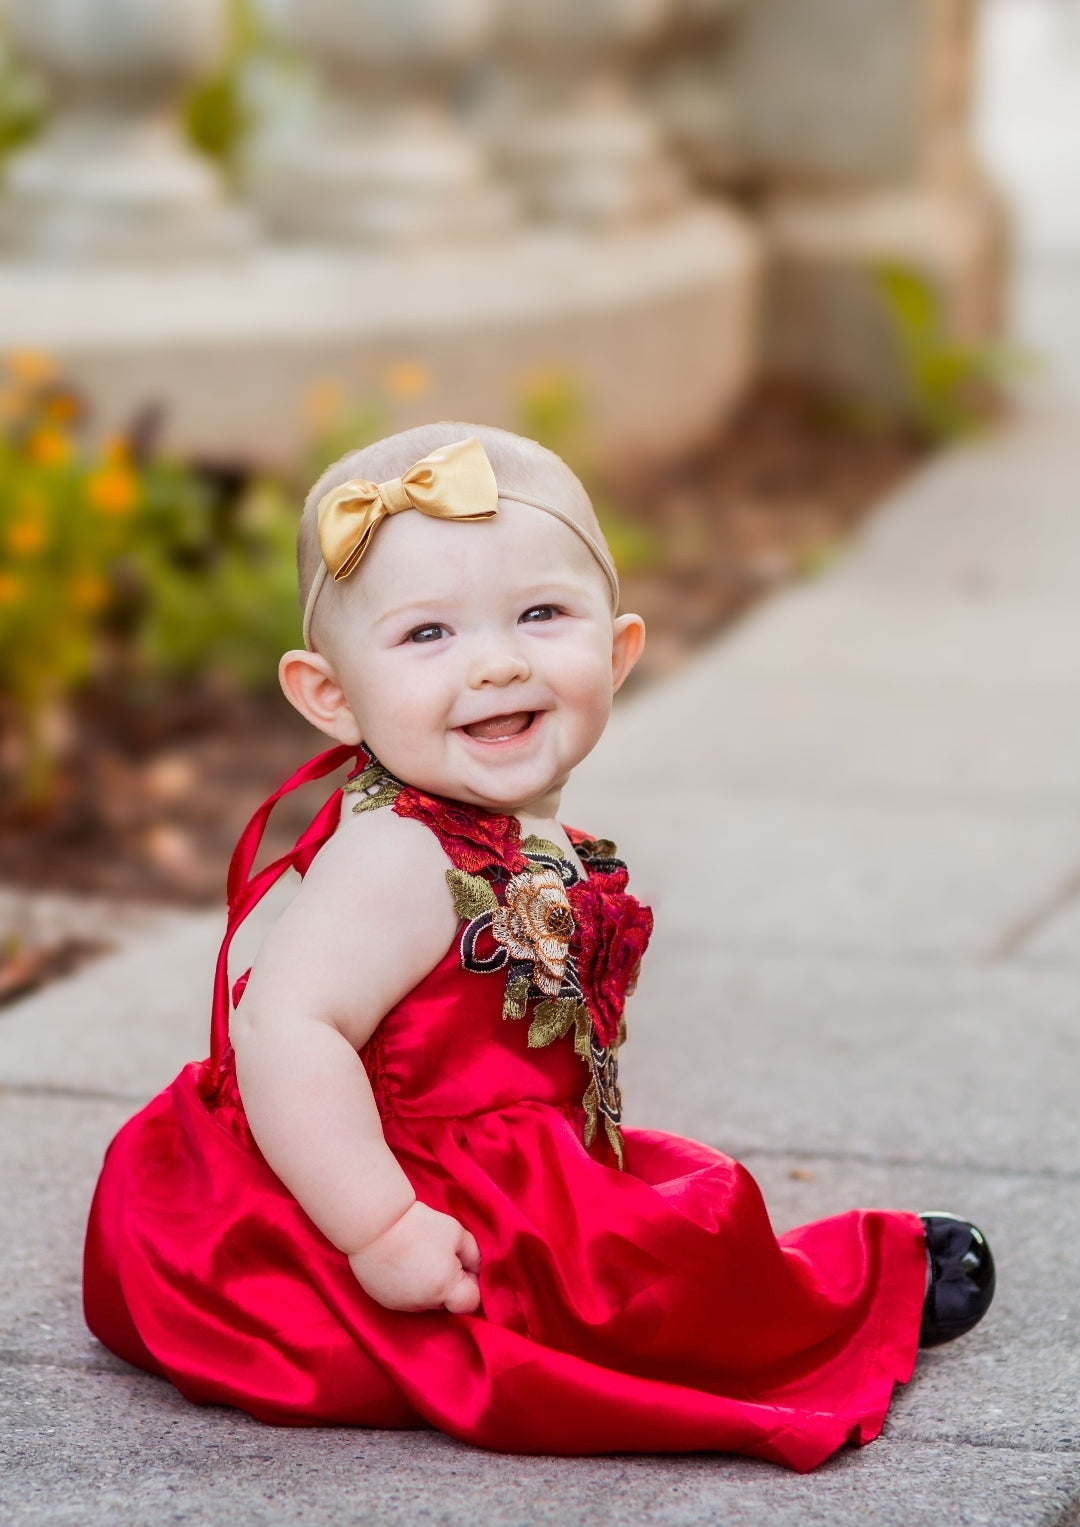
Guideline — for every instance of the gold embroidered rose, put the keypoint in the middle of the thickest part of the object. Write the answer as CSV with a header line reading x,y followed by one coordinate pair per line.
x,y
535,924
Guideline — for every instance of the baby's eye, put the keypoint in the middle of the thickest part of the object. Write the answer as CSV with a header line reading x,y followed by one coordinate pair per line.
x,y
540,612
430,633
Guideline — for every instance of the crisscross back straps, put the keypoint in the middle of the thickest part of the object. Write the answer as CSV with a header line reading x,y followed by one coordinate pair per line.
x,y
245,890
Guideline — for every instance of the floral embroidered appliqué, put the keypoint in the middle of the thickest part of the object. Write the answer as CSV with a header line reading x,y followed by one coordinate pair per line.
x,y
569,946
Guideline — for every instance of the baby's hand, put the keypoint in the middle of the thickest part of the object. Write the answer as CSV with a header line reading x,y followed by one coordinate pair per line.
x,y
425,1261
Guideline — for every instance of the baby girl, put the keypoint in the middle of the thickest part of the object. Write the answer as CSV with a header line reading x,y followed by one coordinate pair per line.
x,y
399,1192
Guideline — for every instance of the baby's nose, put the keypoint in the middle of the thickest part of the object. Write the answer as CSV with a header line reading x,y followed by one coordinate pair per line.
x,y
498,663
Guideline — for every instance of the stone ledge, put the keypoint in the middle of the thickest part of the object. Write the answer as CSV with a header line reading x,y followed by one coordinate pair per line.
x,y
231,348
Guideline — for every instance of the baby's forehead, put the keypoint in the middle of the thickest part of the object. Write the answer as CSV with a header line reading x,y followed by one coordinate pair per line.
x,y
519,545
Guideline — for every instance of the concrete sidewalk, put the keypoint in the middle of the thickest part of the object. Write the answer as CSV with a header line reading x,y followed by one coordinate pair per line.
x,y
858,819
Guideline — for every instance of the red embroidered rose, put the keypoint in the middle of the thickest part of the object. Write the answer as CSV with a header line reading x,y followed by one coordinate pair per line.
x,y
471,838
612,932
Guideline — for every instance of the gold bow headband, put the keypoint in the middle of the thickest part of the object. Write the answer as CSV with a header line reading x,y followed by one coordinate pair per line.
x,y
455,482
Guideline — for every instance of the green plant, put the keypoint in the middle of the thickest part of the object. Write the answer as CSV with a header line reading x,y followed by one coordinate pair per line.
x,y
113,557
259,78
950,383
553,409
22,103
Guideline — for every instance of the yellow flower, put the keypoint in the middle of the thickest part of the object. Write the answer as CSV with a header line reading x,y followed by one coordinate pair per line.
x,y
10,589
112,490
89,592
324,406
48,447
30,367
26,537
407,380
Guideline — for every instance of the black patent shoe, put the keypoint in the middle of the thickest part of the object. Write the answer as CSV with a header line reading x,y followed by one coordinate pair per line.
x,y
961,1285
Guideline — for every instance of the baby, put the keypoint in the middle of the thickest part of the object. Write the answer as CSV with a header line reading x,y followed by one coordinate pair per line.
x,y
402,1193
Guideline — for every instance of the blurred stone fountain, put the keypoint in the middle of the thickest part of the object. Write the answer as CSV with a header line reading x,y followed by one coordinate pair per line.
x,y
380,158
481,190
577,144
848,122
112,175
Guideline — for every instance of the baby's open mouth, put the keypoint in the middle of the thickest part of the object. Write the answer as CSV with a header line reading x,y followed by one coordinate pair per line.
x,y
495,728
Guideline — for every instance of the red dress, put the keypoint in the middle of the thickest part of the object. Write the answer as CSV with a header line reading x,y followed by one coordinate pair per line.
x,y
644,1306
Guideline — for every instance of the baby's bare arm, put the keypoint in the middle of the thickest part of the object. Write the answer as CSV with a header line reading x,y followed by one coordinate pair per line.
x,y
371,919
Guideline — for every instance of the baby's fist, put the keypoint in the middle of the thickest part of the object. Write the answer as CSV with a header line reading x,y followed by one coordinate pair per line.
x,y
425,1261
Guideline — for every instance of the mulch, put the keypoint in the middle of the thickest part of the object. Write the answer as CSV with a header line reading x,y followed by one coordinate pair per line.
x,y
155,788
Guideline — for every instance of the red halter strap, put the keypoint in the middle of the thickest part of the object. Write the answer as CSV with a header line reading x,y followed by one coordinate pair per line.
x,y
245,890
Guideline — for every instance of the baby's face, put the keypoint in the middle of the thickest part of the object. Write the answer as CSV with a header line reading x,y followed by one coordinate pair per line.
x,y
477,659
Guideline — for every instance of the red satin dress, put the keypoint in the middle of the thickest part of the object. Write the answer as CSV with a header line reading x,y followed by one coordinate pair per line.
x,y
634,1296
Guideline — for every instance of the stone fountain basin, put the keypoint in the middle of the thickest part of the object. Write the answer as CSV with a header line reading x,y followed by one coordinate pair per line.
x,y
657,324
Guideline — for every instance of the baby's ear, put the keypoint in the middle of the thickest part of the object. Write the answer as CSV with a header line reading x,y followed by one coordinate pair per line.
x,y
310,684
627,645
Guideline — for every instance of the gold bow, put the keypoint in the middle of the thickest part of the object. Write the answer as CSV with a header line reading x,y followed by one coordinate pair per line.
x,y
453,483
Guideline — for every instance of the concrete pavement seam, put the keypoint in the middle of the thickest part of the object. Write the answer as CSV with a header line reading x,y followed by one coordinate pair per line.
x,y
69,1094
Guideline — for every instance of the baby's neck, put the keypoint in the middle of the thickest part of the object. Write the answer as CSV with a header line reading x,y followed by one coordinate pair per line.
x,y
541,820
539,816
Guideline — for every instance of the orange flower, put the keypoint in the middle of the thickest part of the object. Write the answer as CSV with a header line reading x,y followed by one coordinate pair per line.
x,y
26,537
10,589
89,592
408,379
30,367
48,447
113,490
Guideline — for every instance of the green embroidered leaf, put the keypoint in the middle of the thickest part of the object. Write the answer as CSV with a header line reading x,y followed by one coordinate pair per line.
x,y
552,1019
535,845
472,894
516,999
597,848
583,1032
614,1134
374,787
591,1112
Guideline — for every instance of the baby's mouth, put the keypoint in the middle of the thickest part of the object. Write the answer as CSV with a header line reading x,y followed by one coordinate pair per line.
x,y
496,728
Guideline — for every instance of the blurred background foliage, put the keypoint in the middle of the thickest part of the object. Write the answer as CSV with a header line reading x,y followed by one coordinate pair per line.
x,y
23,104
952,386
116,561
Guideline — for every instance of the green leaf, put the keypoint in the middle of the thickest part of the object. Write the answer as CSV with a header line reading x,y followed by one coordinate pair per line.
x,y
472,894
552,1020
516,999
534,845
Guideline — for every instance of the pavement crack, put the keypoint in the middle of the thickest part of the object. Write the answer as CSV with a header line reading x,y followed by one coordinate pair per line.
x,y
1068,1516
12,1359
77,1094
1025,928
1044,1449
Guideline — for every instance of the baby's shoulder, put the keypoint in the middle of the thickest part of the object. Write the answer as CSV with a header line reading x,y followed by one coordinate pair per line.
x,y
378,849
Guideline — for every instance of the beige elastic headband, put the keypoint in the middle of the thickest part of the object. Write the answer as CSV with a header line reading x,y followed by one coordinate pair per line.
x,y
455,482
